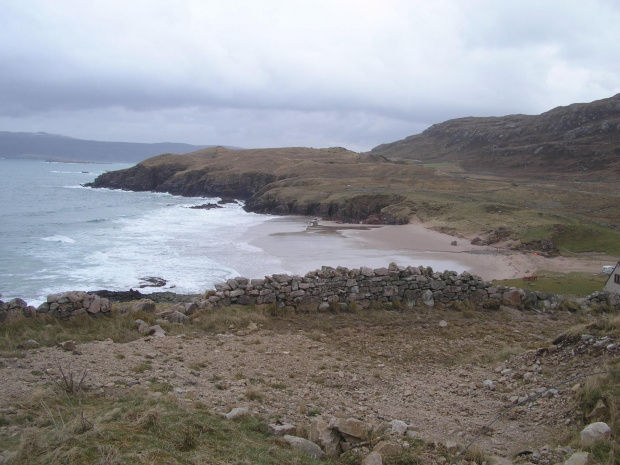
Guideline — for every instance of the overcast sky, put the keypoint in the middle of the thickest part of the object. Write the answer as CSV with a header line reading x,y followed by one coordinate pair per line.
x,y
318,73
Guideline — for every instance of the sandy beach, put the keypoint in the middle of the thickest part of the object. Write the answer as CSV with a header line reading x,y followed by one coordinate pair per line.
x,y
303,245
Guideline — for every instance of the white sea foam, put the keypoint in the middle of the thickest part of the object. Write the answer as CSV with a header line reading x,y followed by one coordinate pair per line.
x,y
63,239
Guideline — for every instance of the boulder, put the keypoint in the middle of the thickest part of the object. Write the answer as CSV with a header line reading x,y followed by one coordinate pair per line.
x,y
326,437
388,449
398,427
595,432
513,297
95,304
144,305
374,458
427,298
68,345
308,304
281,430
353,427
143,328
307,447
578,458
236,413
178,317
157,331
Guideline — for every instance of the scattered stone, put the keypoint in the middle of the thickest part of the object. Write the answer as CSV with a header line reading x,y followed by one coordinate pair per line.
x,y
157,331
144,328
237,412
443,324
326,437
595,432
32,343
351,427
374,458
307,447
451,447
144,305
68,345
599,412
178,317
281,430
398,427
578,458
388,449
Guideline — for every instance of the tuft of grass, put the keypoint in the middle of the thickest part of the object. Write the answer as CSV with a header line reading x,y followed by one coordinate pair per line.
x,y
605,390
49,331
254,394
142,367
137,429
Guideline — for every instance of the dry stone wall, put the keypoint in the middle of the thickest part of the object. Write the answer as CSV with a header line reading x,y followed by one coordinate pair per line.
x,y
63,305
324,289
410,286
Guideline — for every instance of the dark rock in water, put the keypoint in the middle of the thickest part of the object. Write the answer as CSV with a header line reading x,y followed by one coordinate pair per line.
x,y
206,206
152,281
119,296
157,297
171,297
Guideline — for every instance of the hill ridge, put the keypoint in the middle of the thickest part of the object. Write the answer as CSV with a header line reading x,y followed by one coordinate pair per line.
x,y
581,138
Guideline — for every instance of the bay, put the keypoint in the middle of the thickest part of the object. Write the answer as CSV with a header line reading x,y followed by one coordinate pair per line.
x,y
56,235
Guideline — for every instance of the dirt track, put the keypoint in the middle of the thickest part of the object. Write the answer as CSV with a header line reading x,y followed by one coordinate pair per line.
x,y
374,367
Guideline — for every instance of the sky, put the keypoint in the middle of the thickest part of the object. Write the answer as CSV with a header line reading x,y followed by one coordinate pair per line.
x,y
315,73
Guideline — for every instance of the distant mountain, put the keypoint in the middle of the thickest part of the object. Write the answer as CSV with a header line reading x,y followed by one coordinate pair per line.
x,y
580,139
54,147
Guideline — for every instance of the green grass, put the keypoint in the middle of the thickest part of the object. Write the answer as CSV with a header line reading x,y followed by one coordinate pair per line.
x,y
605,389
138,429
49,331
570,284
587,238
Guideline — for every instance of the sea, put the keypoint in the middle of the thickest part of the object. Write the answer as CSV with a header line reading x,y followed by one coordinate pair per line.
x,y
57,235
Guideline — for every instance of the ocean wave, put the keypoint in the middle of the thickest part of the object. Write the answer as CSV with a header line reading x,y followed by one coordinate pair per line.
x,y
69,172
59,238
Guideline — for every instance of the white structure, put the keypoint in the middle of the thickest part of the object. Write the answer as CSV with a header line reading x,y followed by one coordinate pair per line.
x,y
613,283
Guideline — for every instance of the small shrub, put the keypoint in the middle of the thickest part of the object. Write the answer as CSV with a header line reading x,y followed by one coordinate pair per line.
x,y
405,458
491,304
353,307
142,367
254,395
569,306
475,455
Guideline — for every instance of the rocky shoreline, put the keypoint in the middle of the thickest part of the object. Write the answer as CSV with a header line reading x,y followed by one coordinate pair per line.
x,y
320,290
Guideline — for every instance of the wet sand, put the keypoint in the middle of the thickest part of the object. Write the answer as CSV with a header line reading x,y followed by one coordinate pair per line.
x,y
302,246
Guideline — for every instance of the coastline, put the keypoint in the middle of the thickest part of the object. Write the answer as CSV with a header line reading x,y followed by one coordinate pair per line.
x,y
302,247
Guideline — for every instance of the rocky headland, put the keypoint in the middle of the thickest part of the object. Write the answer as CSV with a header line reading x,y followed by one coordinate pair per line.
x,y
528,179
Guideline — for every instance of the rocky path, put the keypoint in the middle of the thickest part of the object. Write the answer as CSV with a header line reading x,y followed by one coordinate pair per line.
x,y
445,373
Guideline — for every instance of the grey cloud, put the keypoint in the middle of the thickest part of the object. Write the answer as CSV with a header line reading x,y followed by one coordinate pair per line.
x,y
296,74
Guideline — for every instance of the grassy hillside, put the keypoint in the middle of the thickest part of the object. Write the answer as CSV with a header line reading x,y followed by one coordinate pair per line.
x,y
475,176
